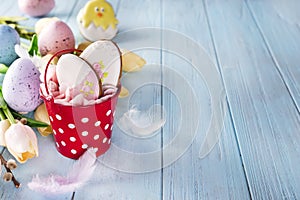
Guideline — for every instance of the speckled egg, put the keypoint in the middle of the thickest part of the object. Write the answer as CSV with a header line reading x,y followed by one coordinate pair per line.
x,y
9,38
55,37
36,8
21,86
42,23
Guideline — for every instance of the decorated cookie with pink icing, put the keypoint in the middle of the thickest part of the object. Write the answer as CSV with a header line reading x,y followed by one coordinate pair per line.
x,y
105,57
76,77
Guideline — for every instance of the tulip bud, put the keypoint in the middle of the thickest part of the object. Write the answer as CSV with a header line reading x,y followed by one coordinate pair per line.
x,y
21,142
4,125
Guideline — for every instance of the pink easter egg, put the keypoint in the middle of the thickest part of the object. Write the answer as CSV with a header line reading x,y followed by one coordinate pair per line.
x,y
55,37
36,8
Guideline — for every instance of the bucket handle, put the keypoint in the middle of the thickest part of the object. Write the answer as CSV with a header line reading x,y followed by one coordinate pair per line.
x,y
49,62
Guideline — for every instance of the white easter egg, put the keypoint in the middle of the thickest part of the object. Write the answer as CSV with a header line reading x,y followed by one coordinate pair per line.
x,y
76,75
105,58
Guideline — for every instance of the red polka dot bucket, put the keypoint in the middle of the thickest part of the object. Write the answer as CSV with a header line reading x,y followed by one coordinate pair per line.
x,y
76,128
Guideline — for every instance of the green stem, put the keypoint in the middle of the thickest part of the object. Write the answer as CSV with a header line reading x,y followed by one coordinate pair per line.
x,y
2,116
30,122
9,116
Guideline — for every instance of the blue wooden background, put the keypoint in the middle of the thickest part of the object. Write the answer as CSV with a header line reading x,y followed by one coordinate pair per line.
x,y
254,45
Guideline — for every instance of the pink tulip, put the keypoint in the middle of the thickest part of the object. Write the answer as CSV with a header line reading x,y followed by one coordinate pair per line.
x,y
21,142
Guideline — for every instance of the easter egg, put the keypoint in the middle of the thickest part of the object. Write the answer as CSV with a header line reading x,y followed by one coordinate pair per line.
x,y
97,21
42,23
105,57
55,37
76,75
21,86
9,38
36,8
41,114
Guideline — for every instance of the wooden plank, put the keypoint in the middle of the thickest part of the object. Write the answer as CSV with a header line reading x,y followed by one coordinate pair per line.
x,y
279,25
221,172
116,176
265,118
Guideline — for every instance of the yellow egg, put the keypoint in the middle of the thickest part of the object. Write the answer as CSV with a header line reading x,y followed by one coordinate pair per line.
x,y
41,114
82,46
131,62
124,92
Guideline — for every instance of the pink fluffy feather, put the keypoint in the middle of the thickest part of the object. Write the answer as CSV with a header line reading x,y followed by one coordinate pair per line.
x,y
80,173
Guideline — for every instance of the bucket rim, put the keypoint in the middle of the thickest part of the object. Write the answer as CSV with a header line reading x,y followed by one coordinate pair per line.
x,y
50,98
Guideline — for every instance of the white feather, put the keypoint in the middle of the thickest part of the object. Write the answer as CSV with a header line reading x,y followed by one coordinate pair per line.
x,y
143,123
80,173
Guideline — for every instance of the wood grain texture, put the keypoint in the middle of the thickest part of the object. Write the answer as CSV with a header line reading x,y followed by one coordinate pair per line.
x,y
254,44
190,177
279,23
265,118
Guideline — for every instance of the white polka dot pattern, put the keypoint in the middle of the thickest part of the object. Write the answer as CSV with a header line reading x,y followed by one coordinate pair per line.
x,y
58,117
74,134
85,120
108,113
72,139
63,143
96,137
73,151
71,126
97,123
104,140
84,133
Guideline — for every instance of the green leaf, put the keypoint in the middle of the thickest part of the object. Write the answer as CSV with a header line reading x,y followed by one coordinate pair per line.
x,y
24,32
3,68
12,19
33,48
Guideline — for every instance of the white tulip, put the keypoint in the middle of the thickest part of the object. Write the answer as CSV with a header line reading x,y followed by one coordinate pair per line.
x,y
4,125
21,142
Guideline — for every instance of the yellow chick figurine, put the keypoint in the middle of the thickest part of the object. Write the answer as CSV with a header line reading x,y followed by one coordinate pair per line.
x,y
97,21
